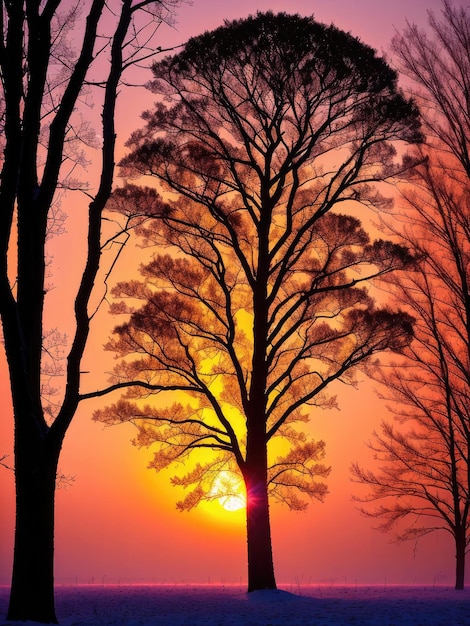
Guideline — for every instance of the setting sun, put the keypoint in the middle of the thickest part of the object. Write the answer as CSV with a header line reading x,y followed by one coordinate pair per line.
x,y
228,489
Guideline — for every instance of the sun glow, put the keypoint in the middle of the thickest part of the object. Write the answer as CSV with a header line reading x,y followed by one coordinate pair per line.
x,y
228,489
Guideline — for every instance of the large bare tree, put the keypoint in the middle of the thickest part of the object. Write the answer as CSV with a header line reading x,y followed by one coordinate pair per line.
x,y
423,482
42,80
262,129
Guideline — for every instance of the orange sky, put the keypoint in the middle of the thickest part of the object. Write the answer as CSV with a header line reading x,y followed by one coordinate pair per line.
x,y
118,521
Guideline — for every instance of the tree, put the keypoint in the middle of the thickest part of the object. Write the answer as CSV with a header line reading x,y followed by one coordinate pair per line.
x,y
439,68
261,129
424,468
42,83
423,481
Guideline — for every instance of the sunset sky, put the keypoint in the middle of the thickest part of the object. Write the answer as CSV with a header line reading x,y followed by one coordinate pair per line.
x,y
117,522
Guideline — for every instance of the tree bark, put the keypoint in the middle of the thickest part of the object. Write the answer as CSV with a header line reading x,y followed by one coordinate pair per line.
x,y
260,556
258,525
460,550
32,588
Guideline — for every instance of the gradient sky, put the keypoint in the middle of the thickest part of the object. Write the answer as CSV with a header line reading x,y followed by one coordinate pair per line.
x,y
118,521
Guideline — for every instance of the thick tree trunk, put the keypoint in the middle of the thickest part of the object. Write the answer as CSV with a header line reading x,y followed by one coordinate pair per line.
x,y
258,525
37,449
260,555
460,549
32,586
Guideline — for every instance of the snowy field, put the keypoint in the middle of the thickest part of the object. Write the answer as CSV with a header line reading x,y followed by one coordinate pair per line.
x,y
196,605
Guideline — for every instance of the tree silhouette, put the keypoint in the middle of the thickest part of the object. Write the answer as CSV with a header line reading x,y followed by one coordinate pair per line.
x,y
438,64
261,128
422,484
42,81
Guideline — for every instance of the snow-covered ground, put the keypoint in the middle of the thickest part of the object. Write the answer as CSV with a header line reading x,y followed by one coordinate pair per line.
x,y
196,605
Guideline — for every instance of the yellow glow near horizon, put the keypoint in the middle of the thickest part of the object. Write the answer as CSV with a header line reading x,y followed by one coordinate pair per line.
x,y
228,489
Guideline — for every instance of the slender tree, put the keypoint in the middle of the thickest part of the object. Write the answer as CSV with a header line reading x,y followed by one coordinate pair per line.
x,y
41,84
262,128
423,483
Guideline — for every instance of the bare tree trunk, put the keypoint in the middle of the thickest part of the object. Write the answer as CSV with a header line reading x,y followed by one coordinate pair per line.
x,y
460,550
36,457
258,525
37,450
32,588
260,555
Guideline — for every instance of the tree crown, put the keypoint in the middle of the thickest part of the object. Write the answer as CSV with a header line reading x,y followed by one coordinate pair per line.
x,y
260,132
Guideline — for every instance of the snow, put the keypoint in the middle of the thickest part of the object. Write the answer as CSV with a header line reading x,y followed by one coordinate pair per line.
x,y
204,605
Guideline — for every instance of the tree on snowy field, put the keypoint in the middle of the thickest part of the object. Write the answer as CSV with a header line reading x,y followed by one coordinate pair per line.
x,y
422,484
263,128
42,81
423,481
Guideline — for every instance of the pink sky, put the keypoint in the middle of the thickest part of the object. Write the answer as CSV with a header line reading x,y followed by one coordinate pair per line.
x,y
371,20
118,522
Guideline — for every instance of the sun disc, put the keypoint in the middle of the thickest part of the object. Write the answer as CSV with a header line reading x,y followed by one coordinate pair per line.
x,y
228,489
232,503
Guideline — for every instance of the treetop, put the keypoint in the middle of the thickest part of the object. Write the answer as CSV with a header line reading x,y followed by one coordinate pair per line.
x,y
284,41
